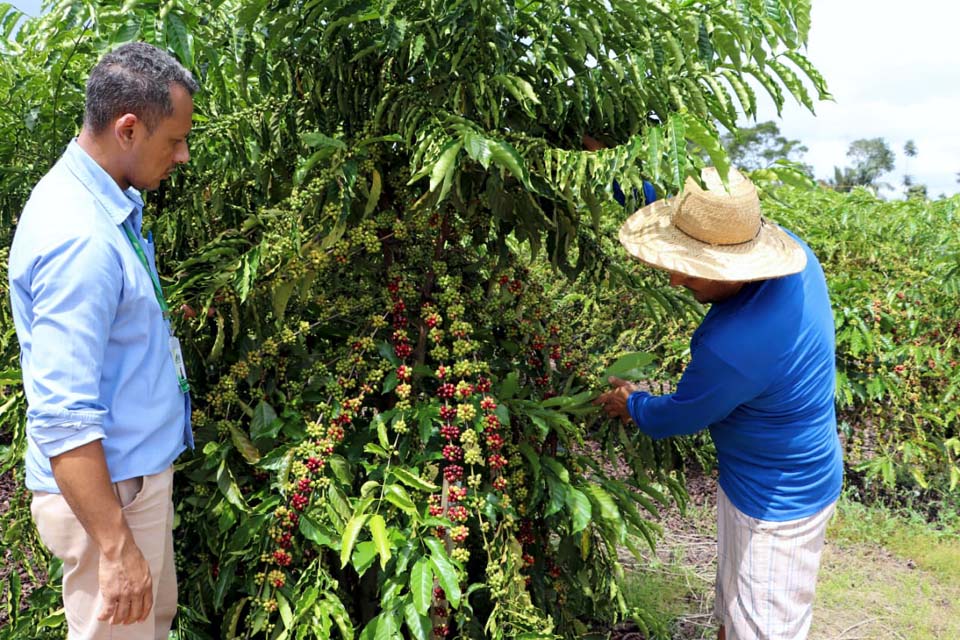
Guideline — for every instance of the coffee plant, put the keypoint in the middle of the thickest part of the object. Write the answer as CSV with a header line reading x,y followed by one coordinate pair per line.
x,y
388,253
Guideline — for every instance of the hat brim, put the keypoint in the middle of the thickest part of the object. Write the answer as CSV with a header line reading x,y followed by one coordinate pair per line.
x,y
650,236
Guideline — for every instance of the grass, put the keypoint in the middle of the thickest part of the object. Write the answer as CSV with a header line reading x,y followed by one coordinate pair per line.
x,y
884,574
888,574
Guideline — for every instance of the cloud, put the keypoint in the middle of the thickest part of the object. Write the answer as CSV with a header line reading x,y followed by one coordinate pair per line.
x,y
894,71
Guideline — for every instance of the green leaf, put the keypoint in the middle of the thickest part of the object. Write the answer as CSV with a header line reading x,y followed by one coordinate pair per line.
x,y
556,468
398,496
284,607
374,198
281,297
341,468
363,556
317,139
350,534
503,154
378,529
387,627
246,448
381,425
228,487
265,422
608,510
676,150
580,509
444,167
413,481
178,38
315,532
629,365
445,571
418,623
477,147
421,585
509,386
698,133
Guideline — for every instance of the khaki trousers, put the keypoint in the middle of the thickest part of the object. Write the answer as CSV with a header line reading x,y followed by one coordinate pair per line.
x,y
147,504
767,573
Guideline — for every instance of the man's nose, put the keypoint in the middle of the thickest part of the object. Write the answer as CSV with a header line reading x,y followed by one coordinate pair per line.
x,y
183,156
677,279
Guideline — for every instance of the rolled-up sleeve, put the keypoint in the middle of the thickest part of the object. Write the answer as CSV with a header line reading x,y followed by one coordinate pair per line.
x,y
75,287
709,390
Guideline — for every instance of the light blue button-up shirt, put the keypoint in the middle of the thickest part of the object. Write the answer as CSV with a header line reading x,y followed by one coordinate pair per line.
x,y
94,345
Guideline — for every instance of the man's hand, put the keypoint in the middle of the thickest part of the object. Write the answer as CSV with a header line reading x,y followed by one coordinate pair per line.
x,y
126,586
124,575
614,402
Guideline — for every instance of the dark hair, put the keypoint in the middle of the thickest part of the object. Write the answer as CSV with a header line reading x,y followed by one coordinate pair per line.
x,y
134,78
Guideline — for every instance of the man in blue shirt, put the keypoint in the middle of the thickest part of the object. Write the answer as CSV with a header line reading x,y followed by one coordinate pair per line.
x,y
108,402
761,378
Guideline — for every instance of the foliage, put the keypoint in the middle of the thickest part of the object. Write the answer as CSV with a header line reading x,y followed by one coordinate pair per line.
x,y
871,158
898,340
389,405
761,146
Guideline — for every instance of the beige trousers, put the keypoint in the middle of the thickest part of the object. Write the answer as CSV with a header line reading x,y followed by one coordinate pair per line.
x,y
148,509
767,573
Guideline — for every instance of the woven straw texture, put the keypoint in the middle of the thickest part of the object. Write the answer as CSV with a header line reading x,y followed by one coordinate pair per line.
x,y
712,234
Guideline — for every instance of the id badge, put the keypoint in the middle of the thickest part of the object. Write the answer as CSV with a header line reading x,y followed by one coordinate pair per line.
x,y
177,356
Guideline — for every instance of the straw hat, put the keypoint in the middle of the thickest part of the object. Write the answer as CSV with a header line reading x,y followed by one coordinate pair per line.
x,y
714,233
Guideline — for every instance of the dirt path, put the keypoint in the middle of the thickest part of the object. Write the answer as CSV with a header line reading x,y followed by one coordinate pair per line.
x,y
864,592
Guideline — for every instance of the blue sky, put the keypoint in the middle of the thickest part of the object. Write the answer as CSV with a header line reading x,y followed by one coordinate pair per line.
x,y
894,71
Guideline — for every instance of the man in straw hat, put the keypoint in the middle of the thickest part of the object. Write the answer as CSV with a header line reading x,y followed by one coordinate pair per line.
x,y
761,378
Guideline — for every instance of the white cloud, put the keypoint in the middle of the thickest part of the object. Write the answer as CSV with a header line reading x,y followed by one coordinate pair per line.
x,y
894,71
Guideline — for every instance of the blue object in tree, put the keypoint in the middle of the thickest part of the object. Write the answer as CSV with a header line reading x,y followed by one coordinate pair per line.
x,y
649,193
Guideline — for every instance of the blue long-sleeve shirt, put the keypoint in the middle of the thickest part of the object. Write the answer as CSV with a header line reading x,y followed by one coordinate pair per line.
x,y
762,377
94,344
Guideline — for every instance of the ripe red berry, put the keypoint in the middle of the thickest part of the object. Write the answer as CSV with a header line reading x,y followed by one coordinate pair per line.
x,y
453,472
299,501
446,390
452,453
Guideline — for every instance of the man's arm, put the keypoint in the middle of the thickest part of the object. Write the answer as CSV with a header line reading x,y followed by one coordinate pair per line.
x,y
709,390
75,288
125,580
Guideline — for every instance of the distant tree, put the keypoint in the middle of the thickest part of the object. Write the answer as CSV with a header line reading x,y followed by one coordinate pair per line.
x,y
917,192
760,146
871,158
909,150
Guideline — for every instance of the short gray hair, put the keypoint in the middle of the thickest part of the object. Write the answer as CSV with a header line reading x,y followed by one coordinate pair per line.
x,y
134,78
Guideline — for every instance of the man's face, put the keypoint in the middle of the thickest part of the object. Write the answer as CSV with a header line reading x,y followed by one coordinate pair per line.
x,y
155,155
706,290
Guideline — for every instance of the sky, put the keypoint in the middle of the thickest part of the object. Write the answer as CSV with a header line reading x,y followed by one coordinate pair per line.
x,y
894,71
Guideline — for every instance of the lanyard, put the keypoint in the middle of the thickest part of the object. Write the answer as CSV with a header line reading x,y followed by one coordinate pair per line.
x,y
175,352
157,289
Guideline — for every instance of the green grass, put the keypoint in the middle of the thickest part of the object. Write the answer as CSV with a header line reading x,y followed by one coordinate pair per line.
x,y
888,574
884,574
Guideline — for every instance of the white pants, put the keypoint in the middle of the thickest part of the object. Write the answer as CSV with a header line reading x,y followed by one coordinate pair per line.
x,y
767,573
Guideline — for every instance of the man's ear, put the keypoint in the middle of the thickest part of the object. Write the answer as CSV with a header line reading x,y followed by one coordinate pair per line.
x,y
125,130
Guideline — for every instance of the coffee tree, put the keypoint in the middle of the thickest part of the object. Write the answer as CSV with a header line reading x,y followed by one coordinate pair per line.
x,y
389,406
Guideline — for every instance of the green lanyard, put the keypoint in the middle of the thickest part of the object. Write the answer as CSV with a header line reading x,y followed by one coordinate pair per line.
x,y
158,291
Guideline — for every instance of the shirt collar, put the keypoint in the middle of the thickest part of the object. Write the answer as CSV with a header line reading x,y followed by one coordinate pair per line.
x,y
119,204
